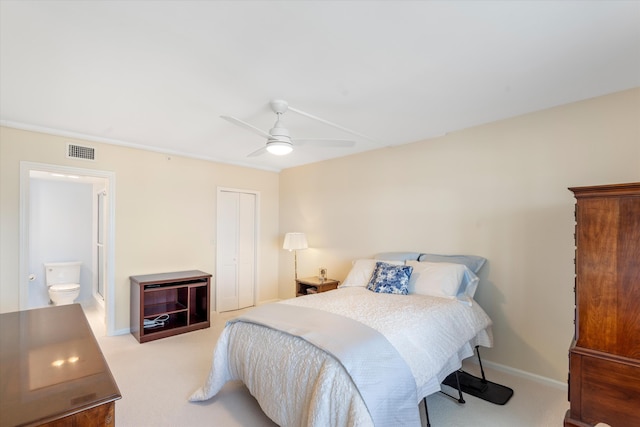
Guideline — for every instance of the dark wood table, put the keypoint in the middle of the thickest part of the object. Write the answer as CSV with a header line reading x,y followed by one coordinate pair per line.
x,y
52,371
314,285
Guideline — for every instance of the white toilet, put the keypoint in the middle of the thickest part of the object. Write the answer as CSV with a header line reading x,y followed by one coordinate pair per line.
x,y
63,281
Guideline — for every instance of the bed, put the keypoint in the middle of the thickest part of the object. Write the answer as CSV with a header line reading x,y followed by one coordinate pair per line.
x,y
364,354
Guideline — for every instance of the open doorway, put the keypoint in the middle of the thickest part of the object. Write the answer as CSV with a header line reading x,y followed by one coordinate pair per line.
x,y
88,195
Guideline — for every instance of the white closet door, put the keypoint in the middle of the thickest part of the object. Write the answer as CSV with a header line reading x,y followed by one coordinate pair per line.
x,y
236,249
246,249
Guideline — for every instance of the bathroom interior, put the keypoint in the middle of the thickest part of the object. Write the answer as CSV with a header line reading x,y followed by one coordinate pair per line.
x,y
67,229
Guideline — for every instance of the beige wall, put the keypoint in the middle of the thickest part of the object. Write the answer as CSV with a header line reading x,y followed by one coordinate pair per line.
x,y
498,190
165,212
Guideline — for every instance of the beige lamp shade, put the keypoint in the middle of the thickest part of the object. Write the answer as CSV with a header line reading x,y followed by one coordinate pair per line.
x,y
295,241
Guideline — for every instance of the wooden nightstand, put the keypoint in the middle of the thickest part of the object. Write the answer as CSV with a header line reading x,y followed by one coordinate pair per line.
x,y
313,285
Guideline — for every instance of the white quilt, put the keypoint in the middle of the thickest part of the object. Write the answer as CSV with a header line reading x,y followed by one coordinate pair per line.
x,y
298,384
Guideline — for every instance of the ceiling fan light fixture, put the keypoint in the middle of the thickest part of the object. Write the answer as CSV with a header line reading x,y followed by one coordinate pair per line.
x,y
279,148
279,141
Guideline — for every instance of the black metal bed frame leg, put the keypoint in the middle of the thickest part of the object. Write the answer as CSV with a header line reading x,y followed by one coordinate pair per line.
x,y
484,379
460,396
460,399
426,412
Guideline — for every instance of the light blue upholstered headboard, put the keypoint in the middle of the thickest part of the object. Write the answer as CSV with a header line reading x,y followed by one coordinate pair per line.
x,y
398,256
474,262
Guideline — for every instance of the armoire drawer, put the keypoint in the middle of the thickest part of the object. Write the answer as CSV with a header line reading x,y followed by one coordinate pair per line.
x,y
607,388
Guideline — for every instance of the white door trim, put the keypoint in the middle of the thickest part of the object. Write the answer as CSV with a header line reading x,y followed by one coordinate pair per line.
x,y
257,246
25,169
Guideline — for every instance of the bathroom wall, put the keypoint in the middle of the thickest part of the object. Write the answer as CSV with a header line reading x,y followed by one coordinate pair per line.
x,y
61,227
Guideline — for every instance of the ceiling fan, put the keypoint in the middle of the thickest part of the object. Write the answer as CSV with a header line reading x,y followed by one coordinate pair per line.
x,y
279,140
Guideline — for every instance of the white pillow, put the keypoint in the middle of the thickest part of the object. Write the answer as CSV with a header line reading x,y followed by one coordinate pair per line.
x,y
439,279
361,272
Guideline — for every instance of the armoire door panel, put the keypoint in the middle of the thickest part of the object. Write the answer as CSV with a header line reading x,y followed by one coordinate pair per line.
x,y
629,278
597,283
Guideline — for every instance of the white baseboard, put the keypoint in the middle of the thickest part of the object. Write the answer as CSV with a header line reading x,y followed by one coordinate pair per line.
x,y
124,331
213,311
520,373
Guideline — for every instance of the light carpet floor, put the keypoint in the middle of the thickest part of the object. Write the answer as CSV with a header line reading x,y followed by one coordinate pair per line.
x,y
156,379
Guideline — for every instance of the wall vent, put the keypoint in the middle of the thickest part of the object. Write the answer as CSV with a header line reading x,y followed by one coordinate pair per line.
x,y
80,152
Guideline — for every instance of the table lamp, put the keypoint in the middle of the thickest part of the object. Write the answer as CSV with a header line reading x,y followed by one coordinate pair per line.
x,y
295,242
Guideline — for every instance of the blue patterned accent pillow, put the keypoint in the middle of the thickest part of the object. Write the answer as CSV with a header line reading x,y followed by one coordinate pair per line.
x,y
390,279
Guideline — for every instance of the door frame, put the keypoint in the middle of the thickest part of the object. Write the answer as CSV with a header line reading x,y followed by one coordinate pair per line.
x,y
110,177
99,242
256,254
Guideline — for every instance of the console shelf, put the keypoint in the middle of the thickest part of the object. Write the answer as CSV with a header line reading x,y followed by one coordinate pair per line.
x,y
168,304
164,308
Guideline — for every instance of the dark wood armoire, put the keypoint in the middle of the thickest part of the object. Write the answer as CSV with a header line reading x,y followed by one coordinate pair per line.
x,y
604,358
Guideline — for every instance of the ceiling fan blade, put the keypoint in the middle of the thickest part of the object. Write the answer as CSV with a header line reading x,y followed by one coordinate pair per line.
x,y
246,125
258,152
327,122
324,142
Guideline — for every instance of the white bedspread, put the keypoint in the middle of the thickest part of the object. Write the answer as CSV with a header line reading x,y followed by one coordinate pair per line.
x,y
376,368
297,384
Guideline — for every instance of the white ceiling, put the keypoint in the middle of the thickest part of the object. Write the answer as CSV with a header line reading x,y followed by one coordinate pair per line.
x,y
158,74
